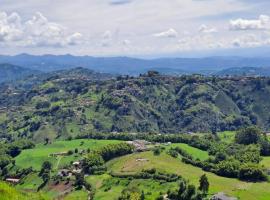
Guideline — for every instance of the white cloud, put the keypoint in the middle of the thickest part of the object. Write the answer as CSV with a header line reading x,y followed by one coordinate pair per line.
x,y
151,16
249,40
106,39
107,35
126,42
205,29
245,24
37,31
171,33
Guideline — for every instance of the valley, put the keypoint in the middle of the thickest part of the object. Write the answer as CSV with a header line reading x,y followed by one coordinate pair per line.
x,y
79,134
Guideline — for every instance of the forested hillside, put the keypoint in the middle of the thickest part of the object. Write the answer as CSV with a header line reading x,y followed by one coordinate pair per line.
x,y
11,72
77,102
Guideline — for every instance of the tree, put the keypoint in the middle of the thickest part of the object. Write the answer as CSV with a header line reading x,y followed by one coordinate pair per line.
x,y
157,151
249,135
142,196
91,162
14,150
47,165
251,172
189,193
79,180
182,188
46,176
204,184
46,168
46,141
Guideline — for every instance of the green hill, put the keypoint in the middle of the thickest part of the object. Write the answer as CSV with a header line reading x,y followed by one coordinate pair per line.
x,y
71,103
7,193
12,72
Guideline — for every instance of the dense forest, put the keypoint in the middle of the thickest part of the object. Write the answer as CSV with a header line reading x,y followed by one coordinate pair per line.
x,y
77,102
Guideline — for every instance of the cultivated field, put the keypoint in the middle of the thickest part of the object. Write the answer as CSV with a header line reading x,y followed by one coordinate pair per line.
x,y
35,157
243,190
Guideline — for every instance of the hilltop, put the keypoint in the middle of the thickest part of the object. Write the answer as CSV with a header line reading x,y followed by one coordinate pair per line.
x,y
71,103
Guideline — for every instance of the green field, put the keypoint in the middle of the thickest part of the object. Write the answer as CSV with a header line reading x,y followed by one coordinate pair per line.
x,y
9,193
243,190
196,153
227,136
107,187
76,195
35,157
266,162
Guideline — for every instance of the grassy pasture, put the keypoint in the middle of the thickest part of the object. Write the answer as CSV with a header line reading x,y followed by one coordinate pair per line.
x,y
35,157
78,194
227,136
266,162
243,190
195,152
30,182
10,193
107,187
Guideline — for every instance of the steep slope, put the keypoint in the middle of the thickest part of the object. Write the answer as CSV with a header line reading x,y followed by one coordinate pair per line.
x,y
71,105
7,193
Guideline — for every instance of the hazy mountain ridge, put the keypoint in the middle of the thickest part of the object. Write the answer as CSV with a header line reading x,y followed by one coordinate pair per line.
x,y
134,66
10,72
245,71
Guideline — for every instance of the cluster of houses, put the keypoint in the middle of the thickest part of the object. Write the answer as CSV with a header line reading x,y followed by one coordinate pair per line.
x,y
140,145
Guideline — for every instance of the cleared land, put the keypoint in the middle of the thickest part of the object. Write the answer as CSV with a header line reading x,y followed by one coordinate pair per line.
x,y
35,157
243,190
108,187
196,153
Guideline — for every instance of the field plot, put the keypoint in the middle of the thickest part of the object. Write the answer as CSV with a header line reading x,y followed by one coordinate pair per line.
x,y
244,190
108,187
227,136
196,153
35,157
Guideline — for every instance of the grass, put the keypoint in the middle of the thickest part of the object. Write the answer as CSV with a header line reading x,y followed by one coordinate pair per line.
x,y
77,194
35,157
7,193
266,162
107,187
195,152
30,182
227,136
243,190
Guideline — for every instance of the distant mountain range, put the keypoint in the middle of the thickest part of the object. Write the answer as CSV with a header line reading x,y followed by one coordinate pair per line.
x,y
135,66
245,71
10,72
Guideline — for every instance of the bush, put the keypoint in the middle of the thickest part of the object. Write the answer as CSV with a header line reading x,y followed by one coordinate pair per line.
x,y
251,172
228,168
250,135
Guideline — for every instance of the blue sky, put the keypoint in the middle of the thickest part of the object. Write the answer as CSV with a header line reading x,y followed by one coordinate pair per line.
x,y
133,27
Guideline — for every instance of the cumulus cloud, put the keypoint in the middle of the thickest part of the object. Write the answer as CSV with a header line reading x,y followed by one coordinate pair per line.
x,y
106,38
37,31
245,24
171,33
126,42
249,40
205,29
